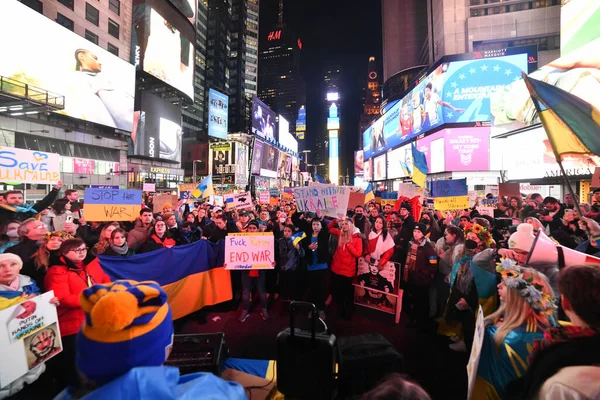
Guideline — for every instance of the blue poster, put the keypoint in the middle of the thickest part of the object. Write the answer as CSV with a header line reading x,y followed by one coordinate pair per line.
x,y
218,114
449,188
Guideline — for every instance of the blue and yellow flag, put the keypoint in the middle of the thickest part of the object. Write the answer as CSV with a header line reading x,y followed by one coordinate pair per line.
x,y
572,124
319,179
420,169
204,188
369,195
297,237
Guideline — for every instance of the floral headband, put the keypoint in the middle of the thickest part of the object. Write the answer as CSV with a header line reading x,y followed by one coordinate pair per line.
x,y
481,232
63,235
514,277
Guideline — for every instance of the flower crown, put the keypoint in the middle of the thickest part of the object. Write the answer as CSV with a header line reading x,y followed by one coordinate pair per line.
x,y
481,232
514,277
63,235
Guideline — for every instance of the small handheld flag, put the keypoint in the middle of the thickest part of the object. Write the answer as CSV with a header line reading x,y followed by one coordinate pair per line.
x,y
297,237
204,188
319,179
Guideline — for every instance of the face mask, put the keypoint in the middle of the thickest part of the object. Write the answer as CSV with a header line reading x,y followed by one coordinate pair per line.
x,y
12,233
282,220
359,216
470,244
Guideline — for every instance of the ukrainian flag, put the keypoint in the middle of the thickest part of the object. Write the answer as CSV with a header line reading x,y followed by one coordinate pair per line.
x,y
192,275
297,237
369,195
572,124
320,179
204,188
420,169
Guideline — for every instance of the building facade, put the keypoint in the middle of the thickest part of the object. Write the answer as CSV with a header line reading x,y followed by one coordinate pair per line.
x,y
371,98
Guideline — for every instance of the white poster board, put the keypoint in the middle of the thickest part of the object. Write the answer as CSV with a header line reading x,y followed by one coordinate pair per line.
x,y
25,166
242,201
330,200
244,251
29,336
263,197
473,363
149,187
486,211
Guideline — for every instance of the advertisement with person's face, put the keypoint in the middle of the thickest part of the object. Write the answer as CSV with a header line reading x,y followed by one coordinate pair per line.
x,y
157,131
97,86
263,120
368,170
218,114
359,162
379,168
257,157
270,161
221,158
162,44
295,169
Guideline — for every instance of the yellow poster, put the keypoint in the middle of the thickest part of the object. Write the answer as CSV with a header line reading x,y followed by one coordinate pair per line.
x,y
451,203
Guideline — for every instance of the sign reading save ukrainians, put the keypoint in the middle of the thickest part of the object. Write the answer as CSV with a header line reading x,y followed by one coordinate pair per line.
x,y
331,200
450,194
112,204
249,251
25,166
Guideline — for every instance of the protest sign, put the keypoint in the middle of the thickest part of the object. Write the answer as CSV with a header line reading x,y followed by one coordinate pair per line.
x,y
29,336
228,199
486,211
242,201
509,190
245,251
596,178
356,199
451,203
274,196
158,201
331,200
149,187
25,166
388,198
493,189
263,197
449,188
218,201
409,190
473,363
112,204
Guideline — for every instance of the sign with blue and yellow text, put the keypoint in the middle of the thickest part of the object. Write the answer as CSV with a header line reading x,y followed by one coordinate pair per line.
x,y
112,204
25,166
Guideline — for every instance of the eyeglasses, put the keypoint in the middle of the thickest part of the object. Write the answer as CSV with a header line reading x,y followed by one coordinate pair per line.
x,y
80,250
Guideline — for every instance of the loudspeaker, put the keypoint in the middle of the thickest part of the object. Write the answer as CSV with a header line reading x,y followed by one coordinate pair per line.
x,y
545,250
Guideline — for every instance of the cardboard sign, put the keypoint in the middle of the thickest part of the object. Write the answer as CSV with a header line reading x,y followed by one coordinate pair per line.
x,y
473,363
228,200
331,200
493,189
486,211
218,201
509,190
242,201
244,251
449,188
451,203
263,197
409,190
149,187
112,204
29,336
25,166
158,201
356,199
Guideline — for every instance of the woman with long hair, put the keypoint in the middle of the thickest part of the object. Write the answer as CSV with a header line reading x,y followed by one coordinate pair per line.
x,y
57,216
343,264
118,244
159,238
526,311
514,208
380,245
45,256
104,240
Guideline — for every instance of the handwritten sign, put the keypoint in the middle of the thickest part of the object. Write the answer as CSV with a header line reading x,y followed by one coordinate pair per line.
x,y
242,201
228,199
263,197
473,363
486,211
218,201
409,190
149,187
25,166
509,190
159,200
32,321
451,203
449,188
244,251
331,200
112,204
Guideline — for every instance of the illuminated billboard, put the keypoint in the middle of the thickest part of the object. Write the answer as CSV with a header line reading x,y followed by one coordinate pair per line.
x,y
270,160
218,114
285,138
162,44
579,27
455,91
379,168
157,131
256,158
301,121
187,8
263,120
98,86
359,163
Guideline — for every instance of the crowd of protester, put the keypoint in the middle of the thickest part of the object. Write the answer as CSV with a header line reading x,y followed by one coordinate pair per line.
x,y
449,264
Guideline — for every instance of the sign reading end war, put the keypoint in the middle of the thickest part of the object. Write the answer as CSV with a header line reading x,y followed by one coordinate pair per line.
x,y
25,166
331,200
249,251
112,204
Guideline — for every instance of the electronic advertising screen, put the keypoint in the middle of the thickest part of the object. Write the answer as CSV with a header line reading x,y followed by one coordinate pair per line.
x,y
97,86
295,169
368,170
456,91
284,170
285,138
162,44
222,160
157,131
395,158
359,162
187,8
263,120
379,168
218,114
257,157
270,160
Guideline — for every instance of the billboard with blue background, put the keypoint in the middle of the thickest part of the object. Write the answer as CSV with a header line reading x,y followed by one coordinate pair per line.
x,y
454,91
218,114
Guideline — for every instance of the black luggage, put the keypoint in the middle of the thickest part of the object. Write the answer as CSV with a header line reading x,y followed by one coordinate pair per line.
x,y
364,361
306,361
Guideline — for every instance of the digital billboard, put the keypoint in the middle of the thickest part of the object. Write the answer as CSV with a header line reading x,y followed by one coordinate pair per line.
x,y
241,164
218,114
379,168
257,157
157,129
187,8
359,163
394,168
301,121
284,170
433,147
457,91
295,169
270,160
285,138
221,159
368,170
97,85
263,120
162,41
579,27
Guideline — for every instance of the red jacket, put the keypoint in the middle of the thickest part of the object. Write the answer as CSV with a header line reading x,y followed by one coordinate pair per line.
x,y
68,283
344,258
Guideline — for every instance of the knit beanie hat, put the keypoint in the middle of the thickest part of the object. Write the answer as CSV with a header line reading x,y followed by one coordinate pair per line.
x,y
422,228
167,205
406,205
10,256
128,324
522,239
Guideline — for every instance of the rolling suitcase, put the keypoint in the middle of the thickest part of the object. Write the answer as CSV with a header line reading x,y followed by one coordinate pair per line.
x,y
306,361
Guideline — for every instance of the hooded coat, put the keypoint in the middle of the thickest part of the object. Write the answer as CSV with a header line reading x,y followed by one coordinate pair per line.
x,y
344,258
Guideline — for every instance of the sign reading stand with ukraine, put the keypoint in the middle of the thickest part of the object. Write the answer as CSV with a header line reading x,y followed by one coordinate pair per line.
x,y
25,166
112,204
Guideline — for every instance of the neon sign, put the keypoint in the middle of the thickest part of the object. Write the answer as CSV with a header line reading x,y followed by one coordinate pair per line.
x,y
299,44
274,35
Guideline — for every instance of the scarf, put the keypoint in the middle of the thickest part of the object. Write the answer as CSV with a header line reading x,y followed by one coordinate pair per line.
x,y
464,277
120,250
411,260
561,334
382,245
166,241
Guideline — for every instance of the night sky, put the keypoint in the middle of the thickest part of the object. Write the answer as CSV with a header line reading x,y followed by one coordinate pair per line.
x,y
333,32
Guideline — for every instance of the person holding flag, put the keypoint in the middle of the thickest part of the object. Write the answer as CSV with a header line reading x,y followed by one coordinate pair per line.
x,y
288,255
204,188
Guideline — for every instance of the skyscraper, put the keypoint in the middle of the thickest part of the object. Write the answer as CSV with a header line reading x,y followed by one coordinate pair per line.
x,y
372,98
280,84
329,154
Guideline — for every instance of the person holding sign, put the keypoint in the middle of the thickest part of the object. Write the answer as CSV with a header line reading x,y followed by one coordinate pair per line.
x,y
250,277
16,209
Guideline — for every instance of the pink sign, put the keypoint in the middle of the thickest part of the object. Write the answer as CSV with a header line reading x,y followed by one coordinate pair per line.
x,y
467,149
82,166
